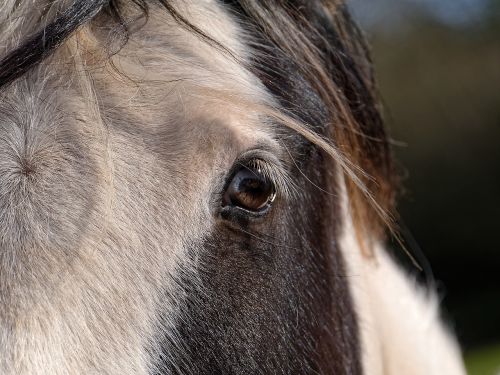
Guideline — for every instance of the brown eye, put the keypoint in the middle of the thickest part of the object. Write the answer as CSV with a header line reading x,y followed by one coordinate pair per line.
x,y
249,190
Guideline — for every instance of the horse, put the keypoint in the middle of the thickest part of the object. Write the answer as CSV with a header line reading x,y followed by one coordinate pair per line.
x,y
200,187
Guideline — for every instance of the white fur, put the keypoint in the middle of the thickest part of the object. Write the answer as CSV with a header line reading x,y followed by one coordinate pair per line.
x,y
399,322
124,166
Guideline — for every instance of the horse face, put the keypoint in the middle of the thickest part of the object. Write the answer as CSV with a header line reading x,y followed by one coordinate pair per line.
x,y
154,217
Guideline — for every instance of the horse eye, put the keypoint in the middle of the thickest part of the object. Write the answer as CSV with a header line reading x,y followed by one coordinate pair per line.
x,y
249,190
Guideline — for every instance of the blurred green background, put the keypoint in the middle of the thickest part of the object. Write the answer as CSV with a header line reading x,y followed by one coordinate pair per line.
x,y
438,67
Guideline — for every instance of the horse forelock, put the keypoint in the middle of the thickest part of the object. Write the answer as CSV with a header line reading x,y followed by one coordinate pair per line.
x,y
116,118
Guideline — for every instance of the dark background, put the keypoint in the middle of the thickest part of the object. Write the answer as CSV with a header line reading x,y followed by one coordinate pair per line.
x,y
438,67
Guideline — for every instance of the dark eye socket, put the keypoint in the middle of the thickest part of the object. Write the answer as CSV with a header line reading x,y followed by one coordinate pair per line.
x,y
249,189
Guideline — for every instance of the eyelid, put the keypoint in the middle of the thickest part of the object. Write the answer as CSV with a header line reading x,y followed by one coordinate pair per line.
x,y
271,168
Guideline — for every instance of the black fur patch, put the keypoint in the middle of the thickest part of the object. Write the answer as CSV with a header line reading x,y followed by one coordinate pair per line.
x,y
274,297
271,297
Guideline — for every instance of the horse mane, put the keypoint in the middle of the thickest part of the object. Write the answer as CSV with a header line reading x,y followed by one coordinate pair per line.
x,y
338,68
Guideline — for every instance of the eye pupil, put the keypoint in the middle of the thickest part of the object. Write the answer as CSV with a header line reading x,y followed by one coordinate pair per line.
x,y
250,190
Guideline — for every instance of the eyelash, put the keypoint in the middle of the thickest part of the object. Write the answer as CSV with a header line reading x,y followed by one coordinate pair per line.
x,y
236,210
